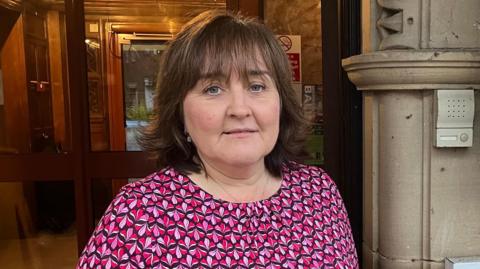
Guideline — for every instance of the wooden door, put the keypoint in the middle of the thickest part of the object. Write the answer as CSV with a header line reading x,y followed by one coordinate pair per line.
x,y
39,98
30,171
38,81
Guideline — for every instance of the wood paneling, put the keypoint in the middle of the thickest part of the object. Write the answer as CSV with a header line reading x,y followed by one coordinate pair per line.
x,y
58,88
170,8
9,17
14,86
253,8
133,164
99,134
97,87
43,95
3,138
40,166
35,24
12,4
38,81
155,28
115,94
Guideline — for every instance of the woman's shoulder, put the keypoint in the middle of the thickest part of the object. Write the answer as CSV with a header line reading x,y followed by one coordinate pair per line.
x,y
305,171
310,177
154,186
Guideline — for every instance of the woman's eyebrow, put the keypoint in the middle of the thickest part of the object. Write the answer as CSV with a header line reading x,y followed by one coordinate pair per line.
x,y
223,77
258,72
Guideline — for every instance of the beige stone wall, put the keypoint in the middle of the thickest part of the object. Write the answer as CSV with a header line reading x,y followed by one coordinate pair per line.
x,y
454,24
421,203
455,198
299,17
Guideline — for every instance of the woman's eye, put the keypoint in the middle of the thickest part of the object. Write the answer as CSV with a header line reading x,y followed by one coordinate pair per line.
x,y
213,90
257,88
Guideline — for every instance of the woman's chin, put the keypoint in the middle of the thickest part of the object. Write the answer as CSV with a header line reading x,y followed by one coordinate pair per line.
x,y
242,160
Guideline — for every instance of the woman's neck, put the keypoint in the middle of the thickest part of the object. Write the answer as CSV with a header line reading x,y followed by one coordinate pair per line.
x,y
237,184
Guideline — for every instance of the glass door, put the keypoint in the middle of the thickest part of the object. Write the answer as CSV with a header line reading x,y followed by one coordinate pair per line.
x,y
71,96
133,61
39,220
124,43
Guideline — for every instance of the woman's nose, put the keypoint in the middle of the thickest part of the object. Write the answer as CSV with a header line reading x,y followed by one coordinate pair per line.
x,y
239,105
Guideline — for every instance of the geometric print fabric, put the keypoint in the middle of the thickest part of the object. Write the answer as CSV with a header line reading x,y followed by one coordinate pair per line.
x,y
167,221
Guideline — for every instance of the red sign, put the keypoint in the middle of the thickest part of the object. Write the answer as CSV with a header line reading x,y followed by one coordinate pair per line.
x,y
294,59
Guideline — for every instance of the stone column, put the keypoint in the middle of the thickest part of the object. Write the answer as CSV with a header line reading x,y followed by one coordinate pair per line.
x,y
411,48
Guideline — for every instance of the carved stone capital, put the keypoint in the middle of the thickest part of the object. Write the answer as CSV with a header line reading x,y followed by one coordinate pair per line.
x,y
421,24
399,24
415,70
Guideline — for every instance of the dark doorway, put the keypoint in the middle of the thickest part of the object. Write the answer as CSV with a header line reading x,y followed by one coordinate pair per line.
x,y
341,34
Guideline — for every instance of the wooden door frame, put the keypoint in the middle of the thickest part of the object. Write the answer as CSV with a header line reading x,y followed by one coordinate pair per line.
x,y
341,38
87,165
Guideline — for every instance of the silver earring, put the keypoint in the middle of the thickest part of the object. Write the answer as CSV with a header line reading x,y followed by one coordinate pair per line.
x,y
189,139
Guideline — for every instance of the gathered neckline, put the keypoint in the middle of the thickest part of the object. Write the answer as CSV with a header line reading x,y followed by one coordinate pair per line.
x,y
263,202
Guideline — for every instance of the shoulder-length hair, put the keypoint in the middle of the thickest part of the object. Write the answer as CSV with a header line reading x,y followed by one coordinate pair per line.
x,y
217,42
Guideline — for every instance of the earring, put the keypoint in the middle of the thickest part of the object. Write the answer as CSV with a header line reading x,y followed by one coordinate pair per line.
x,y
189,139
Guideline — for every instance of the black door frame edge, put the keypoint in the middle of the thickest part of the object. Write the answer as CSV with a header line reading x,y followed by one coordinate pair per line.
x,y
341,38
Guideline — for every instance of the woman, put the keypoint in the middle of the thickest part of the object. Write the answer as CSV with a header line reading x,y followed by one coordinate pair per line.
x,y
228,132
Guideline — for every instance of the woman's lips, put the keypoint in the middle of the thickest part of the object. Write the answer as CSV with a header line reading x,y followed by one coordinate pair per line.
x,y
240,132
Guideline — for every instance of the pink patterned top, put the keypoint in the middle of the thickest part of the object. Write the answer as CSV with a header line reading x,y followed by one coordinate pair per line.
x,y
167,221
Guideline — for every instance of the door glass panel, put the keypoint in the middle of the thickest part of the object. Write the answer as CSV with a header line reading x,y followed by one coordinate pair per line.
x,y
37,228
38,222
33,85
141,60
124,42
299,32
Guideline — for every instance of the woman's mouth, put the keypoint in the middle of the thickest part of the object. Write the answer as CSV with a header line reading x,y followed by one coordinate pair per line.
x,y
240,131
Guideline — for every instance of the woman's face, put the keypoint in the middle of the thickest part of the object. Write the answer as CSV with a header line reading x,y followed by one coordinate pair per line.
x,y
233,123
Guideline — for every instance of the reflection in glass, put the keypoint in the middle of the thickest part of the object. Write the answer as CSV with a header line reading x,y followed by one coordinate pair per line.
x,y
33,85
102,194
97,91
37,223
3,142
141,61
124,41
37,228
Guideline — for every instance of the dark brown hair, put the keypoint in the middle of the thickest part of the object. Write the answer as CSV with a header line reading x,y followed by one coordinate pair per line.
x,y
217,42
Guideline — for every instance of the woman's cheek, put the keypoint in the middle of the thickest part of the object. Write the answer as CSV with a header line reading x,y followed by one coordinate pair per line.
x,y
205,120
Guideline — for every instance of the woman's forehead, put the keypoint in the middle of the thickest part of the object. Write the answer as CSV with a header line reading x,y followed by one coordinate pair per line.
x,y
250,66
235,74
